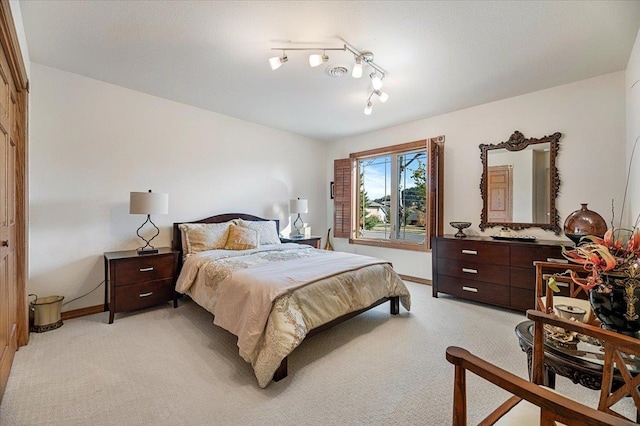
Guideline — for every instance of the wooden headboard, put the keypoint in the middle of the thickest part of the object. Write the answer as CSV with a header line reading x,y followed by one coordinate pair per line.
x,y
176,241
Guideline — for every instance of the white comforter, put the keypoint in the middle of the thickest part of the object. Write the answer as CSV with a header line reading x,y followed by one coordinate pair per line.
x,y
272,296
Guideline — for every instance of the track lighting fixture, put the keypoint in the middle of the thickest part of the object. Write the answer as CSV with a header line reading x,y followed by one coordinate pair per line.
x,y
361,59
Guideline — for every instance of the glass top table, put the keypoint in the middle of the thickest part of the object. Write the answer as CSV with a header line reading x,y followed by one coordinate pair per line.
x,y
582,363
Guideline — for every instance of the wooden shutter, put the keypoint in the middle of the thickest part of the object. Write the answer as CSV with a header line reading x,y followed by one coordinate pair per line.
x,y
342,198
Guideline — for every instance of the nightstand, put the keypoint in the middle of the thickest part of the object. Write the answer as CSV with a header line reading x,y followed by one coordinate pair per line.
x,y
138,281
310,241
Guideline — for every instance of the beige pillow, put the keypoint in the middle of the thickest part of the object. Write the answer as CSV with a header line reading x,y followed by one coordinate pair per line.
x,y
266,230
199,237
241,238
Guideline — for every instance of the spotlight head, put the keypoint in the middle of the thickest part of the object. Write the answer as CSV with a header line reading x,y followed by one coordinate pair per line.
x,y
376,81
277,61
368,108
315,60
356,72
382,96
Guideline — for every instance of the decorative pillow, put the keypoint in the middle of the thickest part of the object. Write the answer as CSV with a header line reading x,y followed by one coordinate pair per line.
x,y
241,238
199,237
266,230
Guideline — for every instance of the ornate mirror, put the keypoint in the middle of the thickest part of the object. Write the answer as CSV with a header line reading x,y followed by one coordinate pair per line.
x,y
520,183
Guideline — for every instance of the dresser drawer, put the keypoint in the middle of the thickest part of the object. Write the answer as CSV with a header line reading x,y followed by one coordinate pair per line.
x,y
523,278
486,272
474,290
474,251
523,256
141,295
139,269
522,299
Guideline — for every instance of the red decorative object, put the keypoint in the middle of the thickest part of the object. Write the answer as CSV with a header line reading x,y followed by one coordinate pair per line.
x,y
584,222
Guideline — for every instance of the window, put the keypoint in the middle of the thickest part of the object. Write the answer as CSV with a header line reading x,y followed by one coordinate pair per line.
x,y
390,196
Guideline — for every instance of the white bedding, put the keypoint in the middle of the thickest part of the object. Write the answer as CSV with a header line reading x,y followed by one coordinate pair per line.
x,y
270,297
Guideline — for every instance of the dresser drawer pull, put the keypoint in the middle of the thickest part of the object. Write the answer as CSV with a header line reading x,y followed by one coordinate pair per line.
x,y
559,284
146,294
471,289
474,252
150,268
470,271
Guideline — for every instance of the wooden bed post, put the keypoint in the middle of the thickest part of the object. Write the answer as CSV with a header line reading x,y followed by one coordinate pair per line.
x,y
395,305
281,372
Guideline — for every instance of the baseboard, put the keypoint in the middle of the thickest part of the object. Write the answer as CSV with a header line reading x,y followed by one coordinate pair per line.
x,y
415,279
82,312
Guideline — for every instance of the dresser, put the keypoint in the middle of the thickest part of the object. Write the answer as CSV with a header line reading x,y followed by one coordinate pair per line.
x,y
138,281
496,272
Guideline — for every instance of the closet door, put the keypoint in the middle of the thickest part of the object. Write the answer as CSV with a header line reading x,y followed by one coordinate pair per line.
x,y
8,282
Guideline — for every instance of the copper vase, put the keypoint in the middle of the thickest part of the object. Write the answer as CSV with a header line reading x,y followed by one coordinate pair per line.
x,y
584,222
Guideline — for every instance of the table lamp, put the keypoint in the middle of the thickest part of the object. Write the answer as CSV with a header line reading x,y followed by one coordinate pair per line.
x,y
148,203
298,206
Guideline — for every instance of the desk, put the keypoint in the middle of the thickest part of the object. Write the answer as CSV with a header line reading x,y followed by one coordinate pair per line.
x,y
582,365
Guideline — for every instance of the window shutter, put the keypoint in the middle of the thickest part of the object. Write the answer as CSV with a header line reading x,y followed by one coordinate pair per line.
x,y
342,198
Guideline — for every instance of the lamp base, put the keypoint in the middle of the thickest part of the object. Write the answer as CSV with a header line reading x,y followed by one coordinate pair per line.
x,y
142,252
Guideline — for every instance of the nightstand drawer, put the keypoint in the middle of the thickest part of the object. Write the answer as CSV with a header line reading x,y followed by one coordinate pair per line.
x,y
141,295
138,269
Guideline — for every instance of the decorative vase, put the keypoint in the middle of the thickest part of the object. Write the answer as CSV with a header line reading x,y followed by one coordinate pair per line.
x,y
584,222
616,302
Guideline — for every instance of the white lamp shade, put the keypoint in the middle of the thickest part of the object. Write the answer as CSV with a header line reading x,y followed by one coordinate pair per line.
x,y
149,203
275,62
376,82
298,206
315,60
356,72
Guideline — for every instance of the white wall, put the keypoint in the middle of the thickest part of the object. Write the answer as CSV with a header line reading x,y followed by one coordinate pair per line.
x,y
91,143
633,132
16,14
590,114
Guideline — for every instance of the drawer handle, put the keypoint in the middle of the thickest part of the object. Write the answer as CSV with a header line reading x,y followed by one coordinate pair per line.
x,y
150,268
146,294
470,271
471,289
559,284
474,252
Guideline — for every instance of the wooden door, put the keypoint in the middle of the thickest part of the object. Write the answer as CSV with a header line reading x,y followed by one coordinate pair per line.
x,y
13,195
8,282
500,191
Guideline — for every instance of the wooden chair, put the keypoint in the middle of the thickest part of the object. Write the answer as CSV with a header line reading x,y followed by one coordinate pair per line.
x,y
538,403
570,294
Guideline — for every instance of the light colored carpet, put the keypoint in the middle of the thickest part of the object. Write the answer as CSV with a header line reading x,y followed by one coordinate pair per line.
x,y
166,366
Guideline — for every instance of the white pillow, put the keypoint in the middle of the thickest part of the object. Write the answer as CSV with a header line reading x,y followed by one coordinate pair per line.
x,y
266,230
199,237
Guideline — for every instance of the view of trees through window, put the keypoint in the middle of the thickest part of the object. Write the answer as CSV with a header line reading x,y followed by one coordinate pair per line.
x,y
392,197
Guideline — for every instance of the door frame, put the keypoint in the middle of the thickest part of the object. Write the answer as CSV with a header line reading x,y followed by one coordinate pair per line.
x,y
10,44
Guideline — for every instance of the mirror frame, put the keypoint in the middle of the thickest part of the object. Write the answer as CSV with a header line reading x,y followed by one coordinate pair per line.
x,y
517,142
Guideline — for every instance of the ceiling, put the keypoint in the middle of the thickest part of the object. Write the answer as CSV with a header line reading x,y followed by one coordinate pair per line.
x,y
439,56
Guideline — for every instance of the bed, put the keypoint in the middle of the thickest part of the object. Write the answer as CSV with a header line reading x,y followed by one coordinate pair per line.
x,y
272,295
